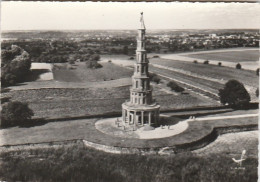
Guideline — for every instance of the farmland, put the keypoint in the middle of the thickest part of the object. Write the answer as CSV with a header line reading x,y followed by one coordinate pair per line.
x,y
232,56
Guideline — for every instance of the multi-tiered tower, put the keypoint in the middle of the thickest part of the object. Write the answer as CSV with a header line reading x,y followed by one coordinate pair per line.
x,y
141,109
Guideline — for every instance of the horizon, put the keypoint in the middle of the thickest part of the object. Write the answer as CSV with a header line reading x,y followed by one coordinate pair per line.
x,y
125,16
78,30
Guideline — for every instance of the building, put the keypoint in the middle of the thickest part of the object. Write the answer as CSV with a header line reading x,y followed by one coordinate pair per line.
x,y
142,108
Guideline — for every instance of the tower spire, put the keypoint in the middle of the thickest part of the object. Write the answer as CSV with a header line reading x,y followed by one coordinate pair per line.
x,y
142,21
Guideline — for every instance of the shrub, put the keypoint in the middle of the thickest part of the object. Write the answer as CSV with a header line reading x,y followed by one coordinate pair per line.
x,y
257,71
234,94
156,56
15,113
195,61
109,61
206,62
131,58
94,57
257,92
238,66
154,78
93,64
219,64
71,61
174,86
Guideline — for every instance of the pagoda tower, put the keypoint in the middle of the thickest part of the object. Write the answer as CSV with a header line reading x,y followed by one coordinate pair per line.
x,y
142,108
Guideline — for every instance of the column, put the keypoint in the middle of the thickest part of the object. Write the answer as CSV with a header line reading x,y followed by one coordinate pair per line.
x,y
155,116
134,117
128,112
123,113
149,117
142,117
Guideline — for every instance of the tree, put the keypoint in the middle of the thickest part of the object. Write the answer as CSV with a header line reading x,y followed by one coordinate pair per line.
x,y
238,66
15,113
16,65
257,92
257,71
206,62
219,63
234,94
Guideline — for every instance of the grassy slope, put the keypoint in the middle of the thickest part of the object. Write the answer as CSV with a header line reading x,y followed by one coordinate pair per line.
x,y
233,144
232,56
74,162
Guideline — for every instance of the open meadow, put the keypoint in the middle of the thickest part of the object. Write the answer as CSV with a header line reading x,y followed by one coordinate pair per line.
x,y
79,72
247,57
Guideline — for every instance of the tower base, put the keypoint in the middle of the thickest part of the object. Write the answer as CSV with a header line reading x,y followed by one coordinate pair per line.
x,y
139,115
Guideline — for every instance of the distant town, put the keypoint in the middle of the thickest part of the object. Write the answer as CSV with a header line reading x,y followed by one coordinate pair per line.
x,y
41,44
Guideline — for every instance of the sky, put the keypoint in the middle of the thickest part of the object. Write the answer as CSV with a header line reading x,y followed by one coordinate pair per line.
x,y
116,15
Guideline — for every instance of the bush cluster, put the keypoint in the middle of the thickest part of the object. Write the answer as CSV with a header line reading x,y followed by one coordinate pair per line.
x,y
174,86
154,78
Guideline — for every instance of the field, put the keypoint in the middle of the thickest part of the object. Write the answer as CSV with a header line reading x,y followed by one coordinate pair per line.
x,y
209,78
211,71
74,162
80,73
68,102
232,56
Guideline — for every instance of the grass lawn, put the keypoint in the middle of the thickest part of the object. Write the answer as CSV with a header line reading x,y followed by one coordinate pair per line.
x,y
232,56
80,73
